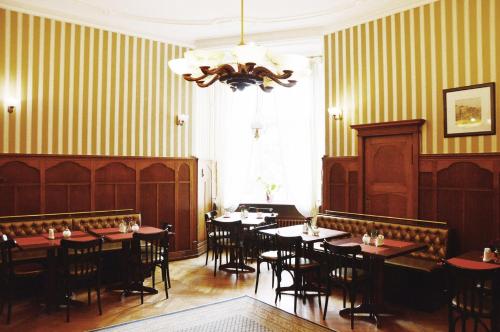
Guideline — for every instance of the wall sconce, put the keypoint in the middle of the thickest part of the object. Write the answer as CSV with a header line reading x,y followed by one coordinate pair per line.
x,y
11,103
335,112
182,118
257,127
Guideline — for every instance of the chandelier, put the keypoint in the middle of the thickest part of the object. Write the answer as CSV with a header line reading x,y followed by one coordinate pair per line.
x,y
243,66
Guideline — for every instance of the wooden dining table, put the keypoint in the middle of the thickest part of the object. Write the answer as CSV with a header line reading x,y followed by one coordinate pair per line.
x,y
376,257
253,219
42,242
473,260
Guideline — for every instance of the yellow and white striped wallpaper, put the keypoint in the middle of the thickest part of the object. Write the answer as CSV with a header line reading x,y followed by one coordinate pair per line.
x,y
88,91
396,67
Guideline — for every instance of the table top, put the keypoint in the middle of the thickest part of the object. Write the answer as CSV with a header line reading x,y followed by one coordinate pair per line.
x,y
252,219
43,242
113,234
474,260
296,230
390,248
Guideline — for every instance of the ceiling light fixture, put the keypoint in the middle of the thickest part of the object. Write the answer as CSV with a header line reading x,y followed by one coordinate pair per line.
x,y
243,66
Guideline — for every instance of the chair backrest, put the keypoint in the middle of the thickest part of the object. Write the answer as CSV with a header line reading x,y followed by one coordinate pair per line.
x,y
81,258
226,233
271,220
262,241
6,245
342,261
469,289
149,249
289,249
210,215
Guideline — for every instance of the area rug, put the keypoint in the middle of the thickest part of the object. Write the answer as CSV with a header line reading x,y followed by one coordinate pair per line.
x,y
242,314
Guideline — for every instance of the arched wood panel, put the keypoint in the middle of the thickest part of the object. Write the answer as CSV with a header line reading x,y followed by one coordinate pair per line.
x,y
157,187
182,226
115,187
340,181
19,189
67,188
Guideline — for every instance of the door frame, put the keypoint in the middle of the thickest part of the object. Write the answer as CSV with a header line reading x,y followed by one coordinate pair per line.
x,y
380,129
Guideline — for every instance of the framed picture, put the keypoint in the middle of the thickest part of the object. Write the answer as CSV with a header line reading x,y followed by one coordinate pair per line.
x,y
469,110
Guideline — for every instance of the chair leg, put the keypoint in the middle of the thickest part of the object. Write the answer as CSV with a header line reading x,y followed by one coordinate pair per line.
x,y
153,272
142,292
257,276
165,279
272,276
68,302
352,299
98,291
319,289
9,305
295,295
88,296
216,257
328,292
343,298
168,273
208,249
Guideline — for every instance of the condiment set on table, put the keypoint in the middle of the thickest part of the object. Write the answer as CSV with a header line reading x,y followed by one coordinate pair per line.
x,y
52,233
310,230
490,255
377,240
128,227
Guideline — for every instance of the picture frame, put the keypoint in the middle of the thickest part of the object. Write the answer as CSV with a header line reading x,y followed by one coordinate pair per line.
x,y
469,110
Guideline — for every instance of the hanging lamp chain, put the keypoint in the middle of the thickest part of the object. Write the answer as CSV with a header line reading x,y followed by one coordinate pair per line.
x,y
242,41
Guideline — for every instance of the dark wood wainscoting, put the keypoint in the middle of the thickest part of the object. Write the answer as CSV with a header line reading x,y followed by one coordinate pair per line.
x,y
460,189
161,189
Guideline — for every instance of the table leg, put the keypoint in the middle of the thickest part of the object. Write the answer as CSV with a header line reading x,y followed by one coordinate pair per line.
x,y
51,282
373,303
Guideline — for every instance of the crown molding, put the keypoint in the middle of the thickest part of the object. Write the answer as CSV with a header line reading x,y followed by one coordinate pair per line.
x,y
17,6
372,16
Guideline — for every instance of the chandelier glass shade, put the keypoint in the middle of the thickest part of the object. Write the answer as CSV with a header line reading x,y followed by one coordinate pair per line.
x,y
242,66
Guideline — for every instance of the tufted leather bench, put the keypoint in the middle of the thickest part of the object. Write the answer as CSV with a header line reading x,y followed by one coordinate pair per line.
x,y
436,240
356,227
37,227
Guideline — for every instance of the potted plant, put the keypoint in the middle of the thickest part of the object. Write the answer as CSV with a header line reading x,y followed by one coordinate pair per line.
x,y
269,189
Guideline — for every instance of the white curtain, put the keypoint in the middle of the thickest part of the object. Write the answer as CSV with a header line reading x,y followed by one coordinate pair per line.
x,y
288,152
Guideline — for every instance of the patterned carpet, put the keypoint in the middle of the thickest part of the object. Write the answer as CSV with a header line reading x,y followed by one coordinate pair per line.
x,y
242,314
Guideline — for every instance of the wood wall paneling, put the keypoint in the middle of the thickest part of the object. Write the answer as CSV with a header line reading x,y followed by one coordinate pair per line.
x,y
163,190
460,189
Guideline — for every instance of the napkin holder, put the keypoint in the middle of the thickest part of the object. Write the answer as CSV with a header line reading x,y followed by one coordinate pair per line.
x,y
366,239
66,233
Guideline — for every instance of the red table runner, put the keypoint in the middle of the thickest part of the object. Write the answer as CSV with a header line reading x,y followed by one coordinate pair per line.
x,y
470,264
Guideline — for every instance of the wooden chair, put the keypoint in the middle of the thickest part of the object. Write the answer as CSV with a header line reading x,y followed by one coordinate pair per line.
x,y
228,238
292,260
473,295
209,233
81,263
149,251
265,249
168,228
10,272
345,271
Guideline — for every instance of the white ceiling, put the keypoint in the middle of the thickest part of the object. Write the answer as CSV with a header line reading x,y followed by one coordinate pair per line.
x,y
209,23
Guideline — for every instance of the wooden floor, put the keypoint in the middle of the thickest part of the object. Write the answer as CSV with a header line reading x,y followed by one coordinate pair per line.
x,y
193,284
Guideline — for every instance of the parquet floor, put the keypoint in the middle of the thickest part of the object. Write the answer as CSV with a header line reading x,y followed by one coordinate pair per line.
x,y
193,284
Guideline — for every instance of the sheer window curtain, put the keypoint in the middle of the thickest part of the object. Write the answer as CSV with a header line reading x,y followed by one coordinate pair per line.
x,y
288,152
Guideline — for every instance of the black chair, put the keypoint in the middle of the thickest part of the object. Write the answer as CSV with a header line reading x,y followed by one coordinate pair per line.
x,y
81,263
164,257
11,271
209,233
149,251
292,260
265,250
228,237
346,271
473,295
